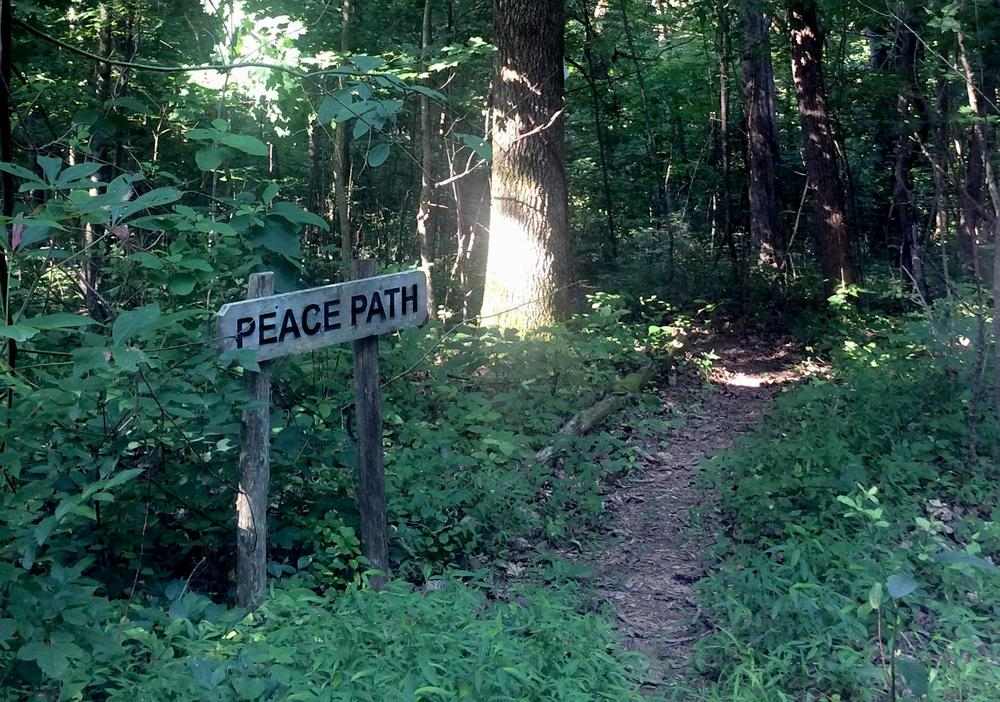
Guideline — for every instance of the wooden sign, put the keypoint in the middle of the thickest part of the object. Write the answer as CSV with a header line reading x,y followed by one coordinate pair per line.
x,y
279,325
307,320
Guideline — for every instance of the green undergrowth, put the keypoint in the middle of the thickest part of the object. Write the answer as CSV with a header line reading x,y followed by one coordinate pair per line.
x,y
862,533
116,517
395,645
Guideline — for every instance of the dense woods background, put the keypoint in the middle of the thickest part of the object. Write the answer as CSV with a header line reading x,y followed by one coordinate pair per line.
x,y
587,184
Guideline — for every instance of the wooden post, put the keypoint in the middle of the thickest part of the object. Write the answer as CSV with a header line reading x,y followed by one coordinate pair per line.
x,y
371,461
255,474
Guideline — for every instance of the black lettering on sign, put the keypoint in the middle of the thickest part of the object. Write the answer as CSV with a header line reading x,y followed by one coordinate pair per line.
x,y
375,308
265,340
245,326
359,303
307,327
410,298
330,313
391,294
289,326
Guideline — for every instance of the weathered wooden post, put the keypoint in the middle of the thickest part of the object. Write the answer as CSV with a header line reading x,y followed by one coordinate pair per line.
x,y
279,325
371,459
255,474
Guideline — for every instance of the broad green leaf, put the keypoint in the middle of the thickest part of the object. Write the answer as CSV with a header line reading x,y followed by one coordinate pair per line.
x,y
900,585
17,332
58,320
181,284
133,322
916,674
19,172
147,260
78,172
245,143
50,167
33,233
154,198
875,596
270,192
277,236
361,127
122,477
960,558
203,134
220,124
297,215
378,154
366,64
209,158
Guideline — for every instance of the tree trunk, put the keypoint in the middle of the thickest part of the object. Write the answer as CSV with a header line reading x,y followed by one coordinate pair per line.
x,y
528,270
913,128
342,161
611,242
993,187
833,243
764,154
7,185
427,219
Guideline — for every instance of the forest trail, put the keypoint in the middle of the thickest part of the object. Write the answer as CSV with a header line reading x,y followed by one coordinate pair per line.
x,y
662,523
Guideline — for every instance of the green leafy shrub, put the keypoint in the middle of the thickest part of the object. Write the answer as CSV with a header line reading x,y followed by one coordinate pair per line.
x,y
857,486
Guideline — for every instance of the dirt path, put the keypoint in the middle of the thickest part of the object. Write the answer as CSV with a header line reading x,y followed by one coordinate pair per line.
x,y
662,523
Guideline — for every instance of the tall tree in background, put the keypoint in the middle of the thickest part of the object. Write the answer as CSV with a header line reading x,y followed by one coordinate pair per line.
x,y
426,219
7,186
342,160
762,136
912,130
833,241
528,266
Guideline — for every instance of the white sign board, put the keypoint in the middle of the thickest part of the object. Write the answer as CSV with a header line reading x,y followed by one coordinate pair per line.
x,y
307,320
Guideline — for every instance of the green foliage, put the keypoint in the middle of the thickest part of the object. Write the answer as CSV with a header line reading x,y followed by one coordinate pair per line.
x,y
860,538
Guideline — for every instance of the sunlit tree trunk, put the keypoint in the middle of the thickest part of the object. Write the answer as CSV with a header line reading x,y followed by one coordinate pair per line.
x,y
763,151
833,241
528,269
427,219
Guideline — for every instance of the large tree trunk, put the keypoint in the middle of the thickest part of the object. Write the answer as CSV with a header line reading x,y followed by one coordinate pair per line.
x,y
833,241
764,153
427,220
528,269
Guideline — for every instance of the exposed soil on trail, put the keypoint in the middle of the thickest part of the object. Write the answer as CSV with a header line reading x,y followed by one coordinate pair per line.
x,y
661,522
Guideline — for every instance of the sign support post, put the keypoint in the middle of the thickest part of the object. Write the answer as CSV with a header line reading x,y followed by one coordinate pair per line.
x,y
255,474
272,326
371,458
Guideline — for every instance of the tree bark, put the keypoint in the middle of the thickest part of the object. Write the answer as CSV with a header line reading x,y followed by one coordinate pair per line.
x,y
833,242
342,161
993,188
7,185
426,217
528,269
912,128
764,154
611,241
